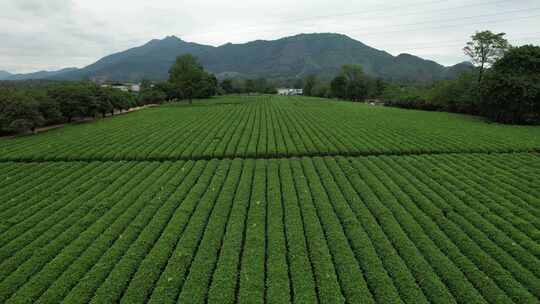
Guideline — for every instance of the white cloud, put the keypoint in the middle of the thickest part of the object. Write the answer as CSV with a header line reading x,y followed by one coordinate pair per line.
x,y
53,34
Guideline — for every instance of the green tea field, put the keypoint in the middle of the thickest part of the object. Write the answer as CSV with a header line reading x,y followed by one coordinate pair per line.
x,y
272,200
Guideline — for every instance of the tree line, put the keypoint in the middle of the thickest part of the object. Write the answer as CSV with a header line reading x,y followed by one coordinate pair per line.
x,y
506,92
25,108
247,86
351,84
504,86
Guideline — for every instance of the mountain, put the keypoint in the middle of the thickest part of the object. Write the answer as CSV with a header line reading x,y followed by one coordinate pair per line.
x,y
290,57
296,56
4,75
150,61
455,70
40,74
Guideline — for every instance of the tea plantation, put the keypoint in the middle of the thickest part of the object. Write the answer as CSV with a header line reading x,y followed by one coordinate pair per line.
x,y
272,200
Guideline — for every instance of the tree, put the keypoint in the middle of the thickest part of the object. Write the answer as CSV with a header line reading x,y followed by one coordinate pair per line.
x,y
379,87
356,82
121,100
309,84
151,96
105,100
406,96
338,87
298,83
356,90
351,84
19,112
48,107
261,85
458,95
170,90
188,75
74,99
207,86
486,48
250,86
146,84
352,72
321,90
511,89
227,86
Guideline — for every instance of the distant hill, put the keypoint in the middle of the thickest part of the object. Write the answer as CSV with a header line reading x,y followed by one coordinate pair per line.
x,y
39,75
290,57
150,61
455,70
4,75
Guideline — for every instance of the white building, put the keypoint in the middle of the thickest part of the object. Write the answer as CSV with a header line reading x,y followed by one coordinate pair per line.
x,y
136,88
290,92
125,87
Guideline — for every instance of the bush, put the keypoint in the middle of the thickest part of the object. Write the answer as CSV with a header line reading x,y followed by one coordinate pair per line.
x,y
408,97
459,95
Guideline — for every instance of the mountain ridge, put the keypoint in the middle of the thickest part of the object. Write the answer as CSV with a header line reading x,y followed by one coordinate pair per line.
x,y
289,57
5,75
40,74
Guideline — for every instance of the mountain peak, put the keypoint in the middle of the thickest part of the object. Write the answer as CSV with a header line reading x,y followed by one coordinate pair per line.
x,y
171,38
323,34
300,37
465,64
406,55
167,40
318,36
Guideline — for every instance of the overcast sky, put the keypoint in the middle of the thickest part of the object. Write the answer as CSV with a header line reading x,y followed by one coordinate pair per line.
x,y
53,34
